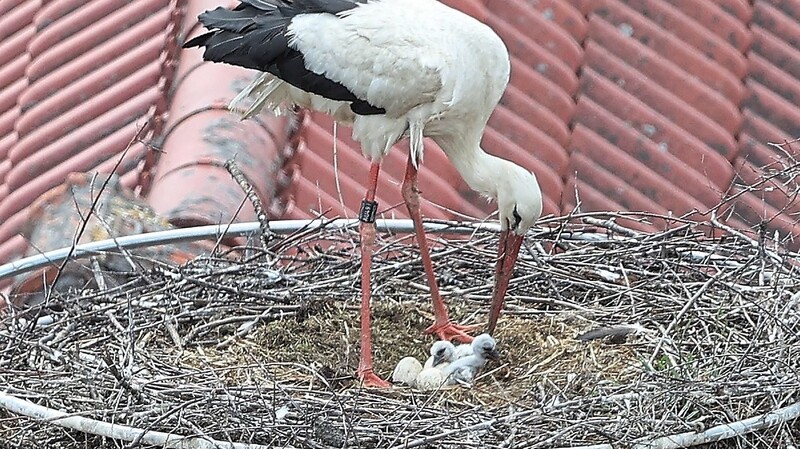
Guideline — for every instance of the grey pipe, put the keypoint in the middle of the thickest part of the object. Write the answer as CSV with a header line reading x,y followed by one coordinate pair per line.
x,y
57,256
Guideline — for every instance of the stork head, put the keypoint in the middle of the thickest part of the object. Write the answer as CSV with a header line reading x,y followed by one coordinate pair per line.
x,y
519,199
442,351
485,347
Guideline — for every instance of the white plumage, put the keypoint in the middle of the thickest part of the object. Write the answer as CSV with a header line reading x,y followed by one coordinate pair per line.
x,y
436,72
431,375
463,350
430,379
466,368
442,353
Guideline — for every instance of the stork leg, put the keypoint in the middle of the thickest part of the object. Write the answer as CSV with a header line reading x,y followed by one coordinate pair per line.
x,y
367,232
510,243
442,326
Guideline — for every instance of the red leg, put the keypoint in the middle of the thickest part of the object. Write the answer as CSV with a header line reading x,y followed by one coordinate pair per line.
x,y
442,326
510,243
367,231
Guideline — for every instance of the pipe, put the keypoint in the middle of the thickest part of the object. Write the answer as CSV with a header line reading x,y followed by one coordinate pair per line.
x,y
57,256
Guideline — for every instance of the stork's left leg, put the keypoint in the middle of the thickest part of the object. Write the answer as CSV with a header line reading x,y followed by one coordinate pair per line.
x,y
442,326
367,232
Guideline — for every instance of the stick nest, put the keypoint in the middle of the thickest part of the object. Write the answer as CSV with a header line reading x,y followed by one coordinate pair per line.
x,y
263,350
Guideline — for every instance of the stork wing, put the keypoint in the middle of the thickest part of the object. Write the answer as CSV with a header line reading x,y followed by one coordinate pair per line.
x,y
379,51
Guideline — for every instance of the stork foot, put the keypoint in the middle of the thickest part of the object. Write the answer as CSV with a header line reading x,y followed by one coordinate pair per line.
x,y
450,331
371,380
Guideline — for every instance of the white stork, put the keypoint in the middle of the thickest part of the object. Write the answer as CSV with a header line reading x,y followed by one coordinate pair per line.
x,y
390,69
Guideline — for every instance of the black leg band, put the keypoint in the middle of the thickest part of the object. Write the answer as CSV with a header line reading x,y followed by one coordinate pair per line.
x,y
369,209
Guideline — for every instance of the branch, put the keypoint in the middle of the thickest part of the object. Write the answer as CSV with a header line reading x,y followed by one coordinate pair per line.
x,y
116,431
724,431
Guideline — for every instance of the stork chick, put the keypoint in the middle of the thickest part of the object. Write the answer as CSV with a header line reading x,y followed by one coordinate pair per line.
x,y
442,354
463,350
430,379
465,369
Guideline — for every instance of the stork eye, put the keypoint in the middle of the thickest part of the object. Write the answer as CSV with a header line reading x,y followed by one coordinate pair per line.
x,y
517,218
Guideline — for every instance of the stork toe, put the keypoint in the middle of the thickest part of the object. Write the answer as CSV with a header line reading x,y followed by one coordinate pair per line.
x,y
451,331
371,380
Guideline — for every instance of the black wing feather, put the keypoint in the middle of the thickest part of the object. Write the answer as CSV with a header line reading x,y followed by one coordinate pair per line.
x,y
253,35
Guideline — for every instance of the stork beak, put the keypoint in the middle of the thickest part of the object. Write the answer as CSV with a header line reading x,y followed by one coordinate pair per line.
x,y
493,355
437,359
510,242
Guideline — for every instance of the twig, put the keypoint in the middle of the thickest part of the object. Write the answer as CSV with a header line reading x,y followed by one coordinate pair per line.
x,y
680,315
480,426
85,219
261,215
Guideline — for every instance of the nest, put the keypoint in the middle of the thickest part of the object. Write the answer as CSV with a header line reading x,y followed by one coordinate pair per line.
x,y
261,351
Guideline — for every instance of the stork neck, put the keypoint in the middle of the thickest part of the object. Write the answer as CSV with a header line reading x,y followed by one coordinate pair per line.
x,y
479,169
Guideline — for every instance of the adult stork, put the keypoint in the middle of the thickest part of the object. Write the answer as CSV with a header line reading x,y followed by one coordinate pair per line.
x,y
390,69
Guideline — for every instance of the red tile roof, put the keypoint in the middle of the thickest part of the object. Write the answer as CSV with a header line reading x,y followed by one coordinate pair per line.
x,y
665,106
86,76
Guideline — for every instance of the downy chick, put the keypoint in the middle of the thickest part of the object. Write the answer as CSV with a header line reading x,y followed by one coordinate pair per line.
x,y
465,369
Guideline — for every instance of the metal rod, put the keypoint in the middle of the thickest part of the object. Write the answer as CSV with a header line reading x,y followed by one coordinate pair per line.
x,y
403,226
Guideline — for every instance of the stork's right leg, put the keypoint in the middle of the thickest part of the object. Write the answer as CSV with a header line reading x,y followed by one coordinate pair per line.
x,y
367,231
442,326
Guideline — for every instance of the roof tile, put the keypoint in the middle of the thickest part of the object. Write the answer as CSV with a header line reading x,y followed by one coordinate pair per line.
x,y
37,128
758,128
528,137
664,73
70,36
72,115
537,27
716,20
653,127
542,90
776,51
593,200
685,146
662,194
617,190
662,100
617,132
695,34
532,111
662,42
774,79
774,108
534,56
737,8
780,22
557,11
16,18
